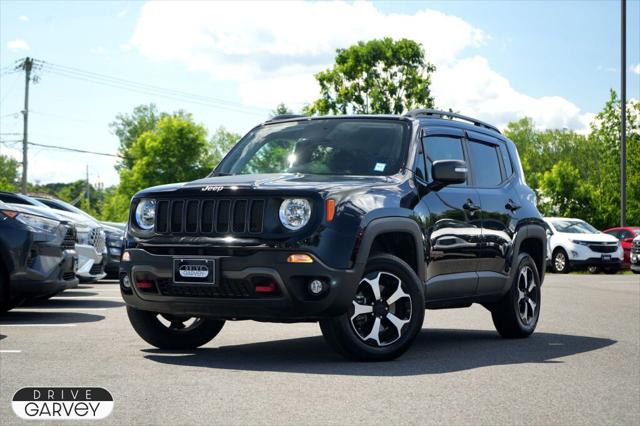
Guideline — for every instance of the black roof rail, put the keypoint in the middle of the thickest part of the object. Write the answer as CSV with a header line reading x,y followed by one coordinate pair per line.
x,y
286,117
415,113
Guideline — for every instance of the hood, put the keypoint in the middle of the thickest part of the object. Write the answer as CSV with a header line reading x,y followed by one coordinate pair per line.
x,y
77,219
273,182
592,238
36,210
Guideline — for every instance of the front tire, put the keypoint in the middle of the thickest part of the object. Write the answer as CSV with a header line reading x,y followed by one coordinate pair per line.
x,y
560,261
385,316
172,331
516,315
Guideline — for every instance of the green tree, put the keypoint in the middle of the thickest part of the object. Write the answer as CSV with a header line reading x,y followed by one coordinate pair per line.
x,y
8,173
177,150
221,142
129,127
281,109
375,77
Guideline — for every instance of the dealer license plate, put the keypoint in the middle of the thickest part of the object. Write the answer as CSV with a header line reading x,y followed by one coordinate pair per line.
x,y
194,271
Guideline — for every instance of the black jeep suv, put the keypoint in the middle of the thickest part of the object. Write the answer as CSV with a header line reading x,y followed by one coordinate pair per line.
x,y
358,222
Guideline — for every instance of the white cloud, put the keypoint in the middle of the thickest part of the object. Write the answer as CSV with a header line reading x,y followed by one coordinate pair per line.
x,y
635,69
16,45
122,13
272,50
24,18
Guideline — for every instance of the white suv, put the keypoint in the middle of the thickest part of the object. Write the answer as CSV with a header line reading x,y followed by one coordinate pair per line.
x,y
574,244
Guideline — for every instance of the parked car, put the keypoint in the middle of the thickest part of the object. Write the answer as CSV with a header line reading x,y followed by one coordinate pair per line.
x,y
90,244
358,222
574,244
635,255
37,255
114,236
625,235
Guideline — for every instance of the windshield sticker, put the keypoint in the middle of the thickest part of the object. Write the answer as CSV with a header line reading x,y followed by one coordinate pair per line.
x,y
380,167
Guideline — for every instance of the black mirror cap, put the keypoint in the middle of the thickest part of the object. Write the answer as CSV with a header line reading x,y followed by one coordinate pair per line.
x,y
449,172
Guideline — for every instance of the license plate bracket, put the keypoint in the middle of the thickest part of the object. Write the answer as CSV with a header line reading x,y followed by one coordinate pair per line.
x,y
606,257
194,271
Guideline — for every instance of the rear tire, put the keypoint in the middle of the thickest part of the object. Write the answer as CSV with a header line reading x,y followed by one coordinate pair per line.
x,y
560,261
517,314
176,335
390,304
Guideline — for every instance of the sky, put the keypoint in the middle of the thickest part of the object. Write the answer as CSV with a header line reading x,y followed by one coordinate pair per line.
x,y
553,61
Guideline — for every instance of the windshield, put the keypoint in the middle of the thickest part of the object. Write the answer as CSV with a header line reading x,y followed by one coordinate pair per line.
x,y
574,227
61,205
329,146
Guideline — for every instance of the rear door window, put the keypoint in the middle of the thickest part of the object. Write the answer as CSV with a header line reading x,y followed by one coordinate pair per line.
x,y
485,165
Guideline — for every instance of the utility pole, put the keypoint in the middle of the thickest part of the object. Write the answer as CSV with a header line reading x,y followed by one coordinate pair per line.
x,y
88,190
26,65
623,113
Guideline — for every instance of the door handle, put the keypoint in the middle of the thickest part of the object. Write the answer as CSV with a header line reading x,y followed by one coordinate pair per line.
x,y
511,205
470,206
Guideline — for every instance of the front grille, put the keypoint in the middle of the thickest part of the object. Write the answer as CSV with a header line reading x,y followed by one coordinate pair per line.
x,y
604,248
97,239
68,276
226,288
69,241
211,216
96,269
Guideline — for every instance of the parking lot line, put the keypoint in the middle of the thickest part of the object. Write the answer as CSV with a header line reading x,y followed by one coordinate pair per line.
x,y
10,351
87,298
57,309
38,325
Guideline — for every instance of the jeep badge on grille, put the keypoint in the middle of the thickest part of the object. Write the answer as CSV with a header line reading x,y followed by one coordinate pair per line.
x,y
213,188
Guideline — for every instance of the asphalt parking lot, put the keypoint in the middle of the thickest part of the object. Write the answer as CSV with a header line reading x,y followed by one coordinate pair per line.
x,y
580,367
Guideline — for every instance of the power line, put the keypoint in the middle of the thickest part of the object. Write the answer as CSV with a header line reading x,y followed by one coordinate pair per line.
x,y
119,83
82,151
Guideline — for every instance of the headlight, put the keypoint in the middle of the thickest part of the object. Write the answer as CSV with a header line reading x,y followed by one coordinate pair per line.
x,y
295,213
582,243
38,222
146,214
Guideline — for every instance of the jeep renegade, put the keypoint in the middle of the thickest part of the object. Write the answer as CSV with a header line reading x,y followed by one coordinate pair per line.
x,y
357,222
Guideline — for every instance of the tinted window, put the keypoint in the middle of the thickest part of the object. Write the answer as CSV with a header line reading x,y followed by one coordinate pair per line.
x,y
12,199
420,170
508,167
442,148
321,146
485,164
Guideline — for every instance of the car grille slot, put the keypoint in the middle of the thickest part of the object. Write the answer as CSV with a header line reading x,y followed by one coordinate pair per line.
x,y
239,215
69,241
162,216
227,288
192,215
603,248
176,216
222,224
211,216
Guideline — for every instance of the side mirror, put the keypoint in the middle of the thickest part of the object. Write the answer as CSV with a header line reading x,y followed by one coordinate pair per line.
x,y
449,172
443,173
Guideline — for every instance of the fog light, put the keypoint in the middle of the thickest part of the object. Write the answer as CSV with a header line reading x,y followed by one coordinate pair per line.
x,y
299,258
125,256
316,287
125,282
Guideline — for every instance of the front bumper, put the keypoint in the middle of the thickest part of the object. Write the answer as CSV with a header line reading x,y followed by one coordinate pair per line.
x,y
90,266
596,261
52,272
233,296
